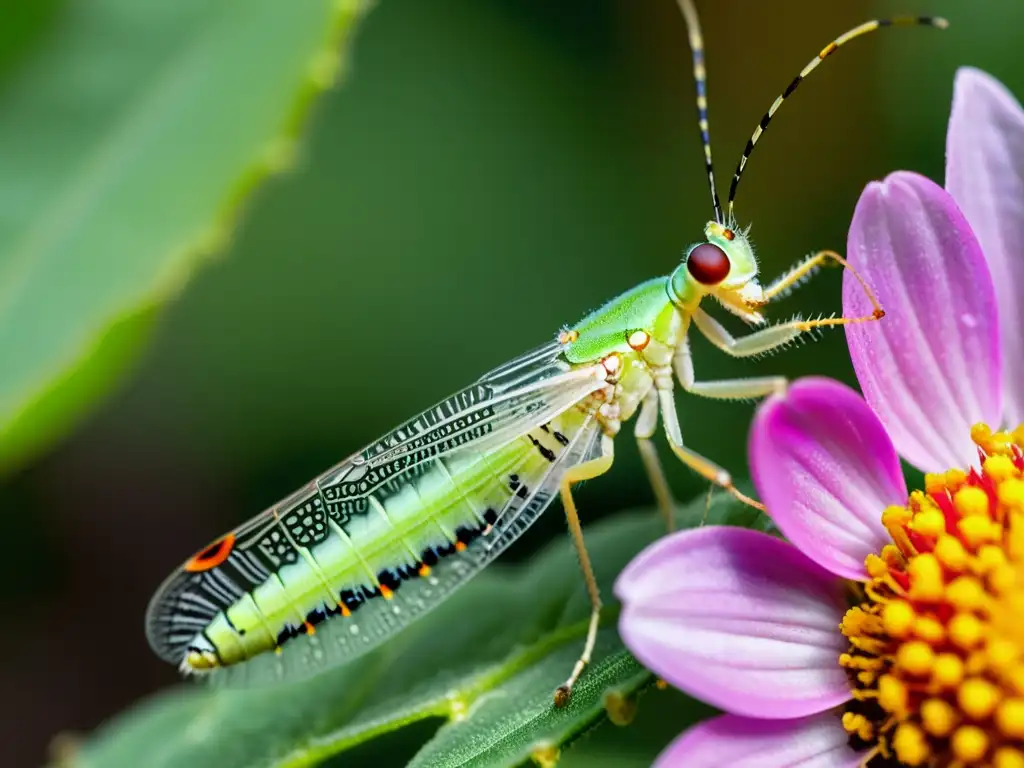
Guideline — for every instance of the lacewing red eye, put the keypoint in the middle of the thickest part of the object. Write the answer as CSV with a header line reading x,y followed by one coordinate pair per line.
x,y
708,264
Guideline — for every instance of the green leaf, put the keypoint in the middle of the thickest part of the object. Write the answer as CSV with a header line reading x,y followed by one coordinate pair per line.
x,y
660,717
131,137
487,661
515,718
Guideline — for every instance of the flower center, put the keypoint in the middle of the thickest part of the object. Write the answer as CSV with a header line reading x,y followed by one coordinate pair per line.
x,y
936,657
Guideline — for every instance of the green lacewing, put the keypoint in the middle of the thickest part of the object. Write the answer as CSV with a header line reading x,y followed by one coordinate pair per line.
x,y
359,552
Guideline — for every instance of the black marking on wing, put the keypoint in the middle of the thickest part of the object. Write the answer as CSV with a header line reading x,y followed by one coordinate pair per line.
x,y
544,451
392,579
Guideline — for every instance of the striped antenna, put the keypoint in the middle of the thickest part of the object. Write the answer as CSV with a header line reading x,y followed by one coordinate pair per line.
x,y
700,78
865,28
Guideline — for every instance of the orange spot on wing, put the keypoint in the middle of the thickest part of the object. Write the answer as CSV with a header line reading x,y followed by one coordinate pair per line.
x,y
212,556
310,629
424,570
460,547
344,609
385,592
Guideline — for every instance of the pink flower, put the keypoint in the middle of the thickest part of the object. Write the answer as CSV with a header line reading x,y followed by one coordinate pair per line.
x,y
888,628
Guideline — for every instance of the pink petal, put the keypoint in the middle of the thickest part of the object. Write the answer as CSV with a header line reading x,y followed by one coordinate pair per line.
x,y
818,741
930,368
985,175
824,467
737,618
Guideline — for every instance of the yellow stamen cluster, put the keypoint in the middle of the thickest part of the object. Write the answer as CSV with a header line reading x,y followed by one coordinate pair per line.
x,y
936,656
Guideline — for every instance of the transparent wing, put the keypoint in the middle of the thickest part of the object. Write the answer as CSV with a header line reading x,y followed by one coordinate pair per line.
x,y
421,495
508,401
345,638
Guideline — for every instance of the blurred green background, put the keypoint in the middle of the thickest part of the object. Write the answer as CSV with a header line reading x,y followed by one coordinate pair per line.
x,y
489,170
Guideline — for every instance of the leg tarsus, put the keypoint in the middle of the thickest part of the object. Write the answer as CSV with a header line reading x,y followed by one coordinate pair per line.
x,y
585,471
773,336
564,691
707,505
792,277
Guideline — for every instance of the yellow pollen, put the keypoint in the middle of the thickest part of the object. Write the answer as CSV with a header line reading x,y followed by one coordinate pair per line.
x,y
926,578
1001,579
910,744
915,657
965,630
892,694
951,553
981,435
971,501
936,633
1001,653
934,483
929,629
892,555
999,468
1008,757
965,594
955,478
1010,718
1011,493
930,523
895,519
978,698
990,557
975,531
876,566
969,743
898,618
938,717
948,670
857,725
